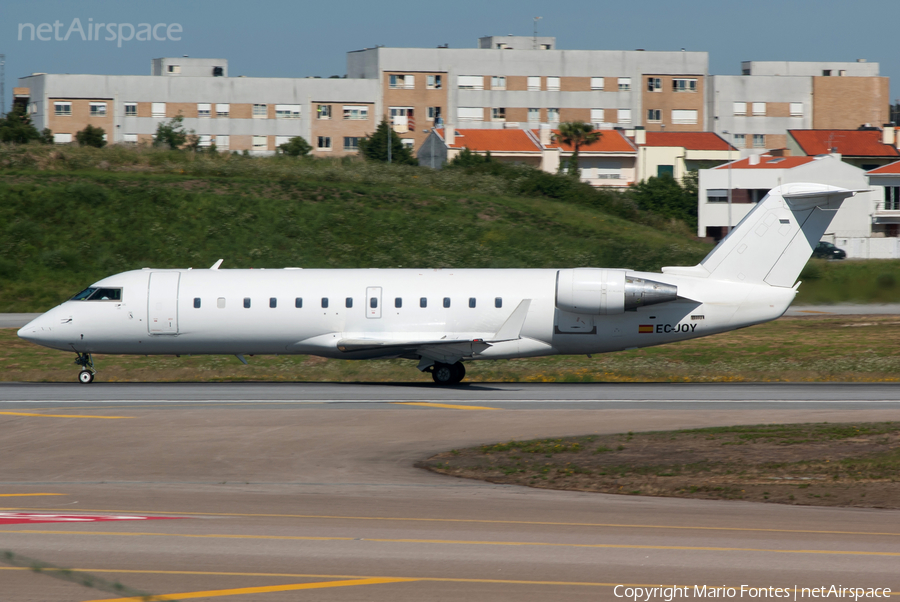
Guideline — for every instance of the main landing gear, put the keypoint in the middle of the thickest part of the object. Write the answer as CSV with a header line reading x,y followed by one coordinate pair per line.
x,y
448,374
86,361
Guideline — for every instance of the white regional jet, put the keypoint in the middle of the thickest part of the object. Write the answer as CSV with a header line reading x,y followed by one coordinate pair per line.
x,y
444,317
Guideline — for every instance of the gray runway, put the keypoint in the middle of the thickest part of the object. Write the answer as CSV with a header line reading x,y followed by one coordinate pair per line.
x,y
275,489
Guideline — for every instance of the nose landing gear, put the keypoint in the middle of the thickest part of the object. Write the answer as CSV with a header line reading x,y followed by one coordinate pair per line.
x,y
86,361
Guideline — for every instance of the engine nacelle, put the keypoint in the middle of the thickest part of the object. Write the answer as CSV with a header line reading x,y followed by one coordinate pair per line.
x,y
598,292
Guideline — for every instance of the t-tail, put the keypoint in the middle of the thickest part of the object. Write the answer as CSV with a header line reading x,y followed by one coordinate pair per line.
x,y
776,239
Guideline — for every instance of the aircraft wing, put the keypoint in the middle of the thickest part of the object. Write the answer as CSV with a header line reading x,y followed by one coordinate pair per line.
x,y
394,345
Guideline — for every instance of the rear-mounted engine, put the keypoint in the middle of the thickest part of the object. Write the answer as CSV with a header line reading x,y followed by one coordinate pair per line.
x,y
597,291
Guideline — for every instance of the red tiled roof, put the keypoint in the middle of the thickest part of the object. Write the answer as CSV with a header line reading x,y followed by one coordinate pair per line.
x,y
611,141
688,140
889,169
769,162
512,140
850,143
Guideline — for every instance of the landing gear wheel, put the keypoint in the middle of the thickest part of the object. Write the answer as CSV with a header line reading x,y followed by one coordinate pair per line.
x,y
85,377
443,374
459,372
86,361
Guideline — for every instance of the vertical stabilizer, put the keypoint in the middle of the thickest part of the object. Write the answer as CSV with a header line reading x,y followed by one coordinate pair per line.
x,y
776,239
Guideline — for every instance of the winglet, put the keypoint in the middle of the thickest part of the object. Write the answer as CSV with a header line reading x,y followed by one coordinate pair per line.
x,y
512,328
216,265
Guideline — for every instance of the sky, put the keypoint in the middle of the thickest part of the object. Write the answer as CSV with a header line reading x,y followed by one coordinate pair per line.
x,y
299,38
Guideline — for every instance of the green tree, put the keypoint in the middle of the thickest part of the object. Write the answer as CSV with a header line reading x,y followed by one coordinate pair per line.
x,y
466,158
16,127
172,134
374,147
577,134
295,147
91,136
665,197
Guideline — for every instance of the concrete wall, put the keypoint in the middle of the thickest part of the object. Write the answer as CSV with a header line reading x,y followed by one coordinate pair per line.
x,y
775,91
188,67
810,68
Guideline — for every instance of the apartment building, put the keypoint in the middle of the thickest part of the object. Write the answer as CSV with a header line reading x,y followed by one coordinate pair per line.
x,y
521,82
234,113
755,110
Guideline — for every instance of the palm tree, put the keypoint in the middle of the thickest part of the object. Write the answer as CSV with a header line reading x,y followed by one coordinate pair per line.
x,y
577,134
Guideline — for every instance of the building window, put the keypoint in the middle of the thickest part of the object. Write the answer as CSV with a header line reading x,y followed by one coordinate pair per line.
x,y
498,113
98,109
402,82
470,82
287,111
684,116
553,115
553,84
434,113
740,108
892,198
796,109
204,109
534,83
323,111
596,115
279,140
223,142
356,112
597,83
826,72
684,85
545,46
654,84
716,195
324,143
62,109
402,119
498,82
260,143
204,141
740,141
351,143
223,109
130,139
130,109
174,69
534,115
759,141
654,115
470,114
624,115
62,138
246,302
260,111
158,109
408,143
624,84
218,71
759,108
433,82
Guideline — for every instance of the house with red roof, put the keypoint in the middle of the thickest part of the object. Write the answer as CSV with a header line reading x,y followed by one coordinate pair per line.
x,y
886,215
677,153
750,179
610,161
866,148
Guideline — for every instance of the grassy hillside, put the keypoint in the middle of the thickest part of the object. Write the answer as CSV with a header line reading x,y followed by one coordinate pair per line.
x,y
61,229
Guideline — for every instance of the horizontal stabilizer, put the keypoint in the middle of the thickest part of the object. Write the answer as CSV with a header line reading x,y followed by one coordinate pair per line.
x,y
512,328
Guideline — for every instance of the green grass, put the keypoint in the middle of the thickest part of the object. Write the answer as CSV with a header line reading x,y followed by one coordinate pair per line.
x,y
850,281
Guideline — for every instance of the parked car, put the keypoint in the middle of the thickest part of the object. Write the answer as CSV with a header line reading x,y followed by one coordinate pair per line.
x,y
826,250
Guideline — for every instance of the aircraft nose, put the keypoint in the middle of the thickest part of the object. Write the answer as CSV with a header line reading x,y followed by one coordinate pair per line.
x,y
31,331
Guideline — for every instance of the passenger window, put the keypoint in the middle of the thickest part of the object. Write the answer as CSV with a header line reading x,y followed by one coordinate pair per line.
x,y
220,302
498,302
423,302
273,302
349,302
373,302
247,302
398,302
446,301
298,302
471,301
324,301
196,302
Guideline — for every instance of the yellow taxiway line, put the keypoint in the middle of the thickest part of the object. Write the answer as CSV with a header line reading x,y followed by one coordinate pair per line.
x,y
259,590
467,520
64,415
446,406
601,546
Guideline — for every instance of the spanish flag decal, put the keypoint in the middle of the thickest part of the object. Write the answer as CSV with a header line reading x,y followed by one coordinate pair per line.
x,y
645,329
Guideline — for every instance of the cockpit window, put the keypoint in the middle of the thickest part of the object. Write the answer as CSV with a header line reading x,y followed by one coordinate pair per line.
x,y
99,294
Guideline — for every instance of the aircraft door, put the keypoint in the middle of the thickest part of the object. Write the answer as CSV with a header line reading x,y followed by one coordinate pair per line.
x,y
373,302
162,303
